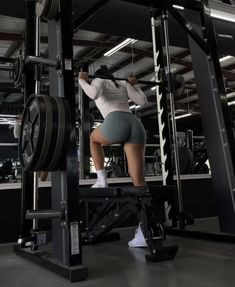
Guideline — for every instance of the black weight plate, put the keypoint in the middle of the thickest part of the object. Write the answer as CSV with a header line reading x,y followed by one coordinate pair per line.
x,y
44,153
17,70
64,127
18,76
54,139
60,136
32,132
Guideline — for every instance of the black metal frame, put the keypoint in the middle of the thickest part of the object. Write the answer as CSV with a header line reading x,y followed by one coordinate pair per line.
x,y
66,255
84,130
66,235
66,242
218,127
217,124
89,14
115,205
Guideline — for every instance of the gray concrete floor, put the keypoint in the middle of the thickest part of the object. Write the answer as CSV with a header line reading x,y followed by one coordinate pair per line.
x,y
197,264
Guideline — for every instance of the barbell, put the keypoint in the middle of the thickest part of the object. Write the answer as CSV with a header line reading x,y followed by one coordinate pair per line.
x,y
19,64
178,83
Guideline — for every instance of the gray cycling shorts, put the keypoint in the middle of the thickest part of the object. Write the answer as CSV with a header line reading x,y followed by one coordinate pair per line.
x,y
123,127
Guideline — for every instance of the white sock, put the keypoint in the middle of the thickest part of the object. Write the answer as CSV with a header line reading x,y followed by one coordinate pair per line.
x,y
101,175
101,179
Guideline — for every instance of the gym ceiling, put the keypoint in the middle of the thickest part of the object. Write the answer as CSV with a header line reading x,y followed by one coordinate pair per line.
x,y
114,22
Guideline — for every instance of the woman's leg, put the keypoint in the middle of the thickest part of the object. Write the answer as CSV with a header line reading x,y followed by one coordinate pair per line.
x,y
135,159
97,153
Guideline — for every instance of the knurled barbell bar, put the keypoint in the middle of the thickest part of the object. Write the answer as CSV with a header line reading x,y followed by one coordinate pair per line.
x,y
178,80
19,63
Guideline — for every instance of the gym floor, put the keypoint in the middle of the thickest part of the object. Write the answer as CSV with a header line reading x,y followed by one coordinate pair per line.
x,y
198,263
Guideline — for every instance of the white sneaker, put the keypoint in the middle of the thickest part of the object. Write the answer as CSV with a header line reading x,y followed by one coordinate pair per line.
x,y
99,184
138,240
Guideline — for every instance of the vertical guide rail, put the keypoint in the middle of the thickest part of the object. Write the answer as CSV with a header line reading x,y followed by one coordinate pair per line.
x,y
37,92
159,108
172,106
37,54
163,123
29,88
162,111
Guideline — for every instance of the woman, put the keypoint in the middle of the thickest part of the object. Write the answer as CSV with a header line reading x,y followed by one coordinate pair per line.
x,y
119,126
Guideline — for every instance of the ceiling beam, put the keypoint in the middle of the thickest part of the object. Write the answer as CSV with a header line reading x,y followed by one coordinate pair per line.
x,y
104,44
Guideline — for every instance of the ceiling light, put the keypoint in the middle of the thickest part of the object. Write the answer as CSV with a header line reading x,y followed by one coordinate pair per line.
x,y
222,11
231,103
218,11
222,15
183,116
178,7
7,122
119,47
230,95
8,116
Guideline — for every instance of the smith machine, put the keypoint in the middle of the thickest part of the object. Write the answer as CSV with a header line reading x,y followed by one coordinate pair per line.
x,y
48,140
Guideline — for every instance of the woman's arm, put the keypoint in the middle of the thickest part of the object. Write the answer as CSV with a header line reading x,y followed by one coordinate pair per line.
x,y
135,93
92,90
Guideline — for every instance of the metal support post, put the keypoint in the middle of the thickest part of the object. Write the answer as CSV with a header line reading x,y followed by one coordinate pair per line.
x,y
84,131
29,88
217,125
66,243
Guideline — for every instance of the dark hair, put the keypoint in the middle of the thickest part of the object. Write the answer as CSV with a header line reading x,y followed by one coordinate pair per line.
x,y
104,73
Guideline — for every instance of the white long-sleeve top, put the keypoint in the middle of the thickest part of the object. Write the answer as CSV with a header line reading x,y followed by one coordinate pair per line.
x,y
108,98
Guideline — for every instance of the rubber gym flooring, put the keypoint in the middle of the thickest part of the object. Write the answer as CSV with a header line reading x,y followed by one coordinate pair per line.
x,y
198,263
